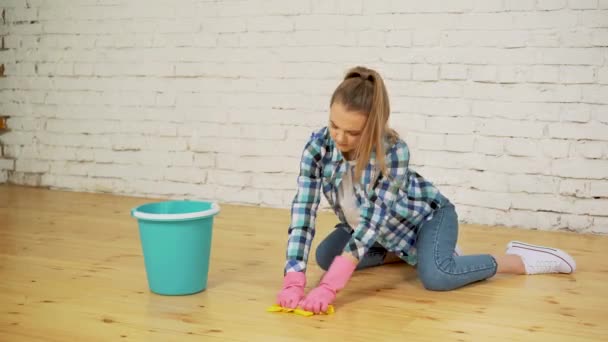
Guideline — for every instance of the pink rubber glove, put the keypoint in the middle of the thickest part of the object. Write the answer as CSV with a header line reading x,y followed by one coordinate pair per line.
x,y
293,290
334,280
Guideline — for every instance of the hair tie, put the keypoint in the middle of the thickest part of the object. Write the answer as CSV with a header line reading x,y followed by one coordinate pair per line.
x,y
356,74
353,75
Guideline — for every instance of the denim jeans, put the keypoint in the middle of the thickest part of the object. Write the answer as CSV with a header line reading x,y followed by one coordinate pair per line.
x,y
438,268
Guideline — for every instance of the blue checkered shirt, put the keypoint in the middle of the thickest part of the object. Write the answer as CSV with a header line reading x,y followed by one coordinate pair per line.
x,y
392,206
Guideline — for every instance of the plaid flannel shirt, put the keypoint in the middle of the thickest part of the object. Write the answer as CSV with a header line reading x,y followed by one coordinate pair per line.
x,y
392,206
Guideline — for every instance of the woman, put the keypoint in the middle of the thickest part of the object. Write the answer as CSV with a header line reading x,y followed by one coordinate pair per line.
x,y
387,211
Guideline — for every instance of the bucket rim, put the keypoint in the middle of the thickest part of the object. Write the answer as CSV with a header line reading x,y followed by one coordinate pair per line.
x,y
215,208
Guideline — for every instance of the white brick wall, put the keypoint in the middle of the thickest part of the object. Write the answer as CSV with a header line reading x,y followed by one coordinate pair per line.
x,y
504,103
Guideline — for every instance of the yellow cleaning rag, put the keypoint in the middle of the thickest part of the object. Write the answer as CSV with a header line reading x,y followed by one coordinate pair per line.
x,y
278,308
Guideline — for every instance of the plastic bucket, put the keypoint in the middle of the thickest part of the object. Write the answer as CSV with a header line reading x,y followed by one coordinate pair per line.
x,y
176,242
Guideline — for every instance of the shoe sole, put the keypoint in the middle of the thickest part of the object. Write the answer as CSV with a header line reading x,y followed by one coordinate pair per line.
x,y
555,252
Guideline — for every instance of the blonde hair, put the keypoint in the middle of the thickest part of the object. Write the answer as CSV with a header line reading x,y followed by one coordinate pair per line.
x,y
363,91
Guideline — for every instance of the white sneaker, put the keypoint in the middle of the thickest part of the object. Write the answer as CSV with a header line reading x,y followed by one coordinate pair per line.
x,y
457,251
540,259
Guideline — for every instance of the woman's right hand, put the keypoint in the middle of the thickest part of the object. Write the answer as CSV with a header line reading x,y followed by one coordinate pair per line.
x,y
293,290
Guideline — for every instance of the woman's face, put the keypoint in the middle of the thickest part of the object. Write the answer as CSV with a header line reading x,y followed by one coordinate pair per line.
x,y
345,128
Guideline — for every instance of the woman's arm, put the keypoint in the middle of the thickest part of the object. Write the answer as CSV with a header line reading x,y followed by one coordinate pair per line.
x,y
304,207
379,200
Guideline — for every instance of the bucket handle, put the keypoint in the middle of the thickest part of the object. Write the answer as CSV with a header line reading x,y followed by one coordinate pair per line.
x,y
215,208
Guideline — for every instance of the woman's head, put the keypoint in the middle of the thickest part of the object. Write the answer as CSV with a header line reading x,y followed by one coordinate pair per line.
x,y
359,115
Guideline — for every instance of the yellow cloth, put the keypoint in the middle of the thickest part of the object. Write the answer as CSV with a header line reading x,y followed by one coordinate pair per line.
x,y
278,308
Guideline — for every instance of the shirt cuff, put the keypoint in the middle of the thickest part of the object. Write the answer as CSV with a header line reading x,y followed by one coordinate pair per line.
x,y
295,266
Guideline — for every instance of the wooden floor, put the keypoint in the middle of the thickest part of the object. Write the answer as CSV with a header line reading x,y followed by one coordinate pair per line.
x,y
71,269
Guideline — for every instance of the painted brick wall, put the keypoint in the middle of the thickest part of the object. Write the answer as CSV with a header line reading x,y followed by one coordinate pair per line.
x,y
504,103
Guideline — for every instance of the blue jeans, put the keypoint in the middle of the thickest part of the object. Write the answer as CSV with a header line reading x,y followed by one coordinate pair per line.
x,y
438,268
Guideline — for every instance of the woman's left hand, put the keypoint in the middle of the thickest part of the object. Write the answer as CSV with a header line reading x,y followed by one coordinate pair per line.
x,y
318,299
333,281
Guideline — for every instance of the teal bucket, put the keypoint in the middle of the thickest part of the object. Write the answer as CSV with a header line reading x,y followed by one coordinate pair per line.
x,y
176,242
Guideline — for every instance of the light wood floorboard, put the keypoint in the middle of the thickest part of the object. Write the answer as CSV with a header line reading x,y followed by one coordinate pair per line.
x,y
71,269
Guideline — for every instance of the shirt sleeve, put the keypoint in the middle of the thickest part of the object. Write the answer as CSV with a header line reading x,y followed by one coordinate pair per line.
x,y
378,201
304,208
